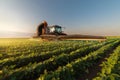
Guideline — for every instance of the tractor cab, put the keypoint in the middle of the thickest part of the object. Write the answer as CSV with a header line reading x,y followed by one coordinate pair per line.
x,y
55,29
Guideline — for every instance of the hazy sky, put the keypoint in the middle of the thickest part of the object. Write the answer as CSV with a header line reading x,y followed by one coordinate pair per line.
x,y
93,17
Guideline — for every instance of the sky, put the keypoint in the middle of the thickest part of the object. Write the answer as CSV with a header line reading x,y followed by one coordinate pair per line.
x,y
20,18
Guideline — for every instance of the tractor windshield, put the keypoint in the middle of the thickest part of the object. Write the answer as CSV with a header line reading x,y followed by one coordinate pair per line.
x,y
58,29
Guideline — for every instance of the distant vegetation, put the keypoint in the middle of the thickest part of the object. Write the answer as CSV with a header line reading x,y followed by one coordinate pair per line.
x,y
34,59
113,37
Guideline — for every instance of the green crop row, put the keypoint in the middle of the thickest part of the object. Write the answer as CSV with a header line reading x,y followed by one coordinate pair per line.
x,y
23,59
50,64
25,49
53,63
79,67
37,57
108,67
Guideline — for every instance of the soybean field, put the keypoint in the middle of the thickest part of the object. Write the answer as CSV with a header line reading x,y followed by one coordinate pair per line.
x,y
34,59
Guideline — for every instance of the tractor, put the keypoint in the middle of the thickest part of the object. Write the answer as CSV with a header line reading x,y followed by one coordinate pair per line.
x,y
55,33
